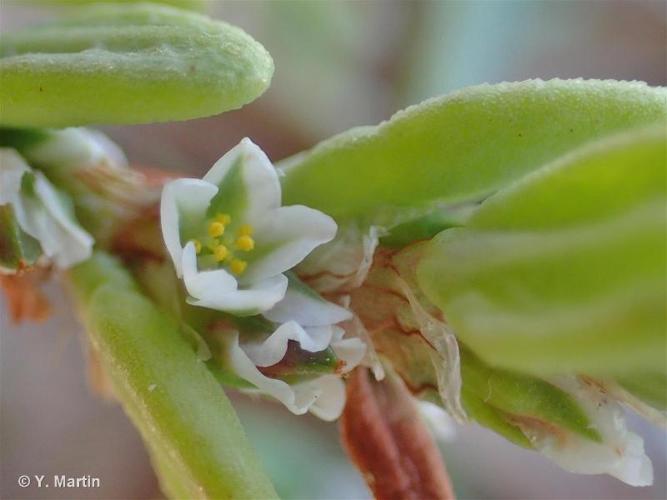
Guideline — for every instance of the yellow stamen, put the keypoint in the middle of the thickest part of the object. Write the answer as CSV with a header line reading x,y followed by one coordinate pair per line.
x,y
238,266
245,230
197,246
223,219
216,229
245,243
220,253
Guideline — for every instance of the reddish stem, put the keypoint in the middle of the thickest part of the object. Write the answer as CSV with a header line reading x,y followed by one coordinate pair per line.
x,y
387,440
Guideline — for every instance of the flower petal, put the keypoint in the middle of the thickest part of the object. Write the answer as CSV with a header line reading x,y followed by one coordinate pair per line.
x,y
209,284
12,168
247,301
41,212
289,234
271,350
258,190
324,396
331,401
306,307
184,203
219,290
351,351
73,243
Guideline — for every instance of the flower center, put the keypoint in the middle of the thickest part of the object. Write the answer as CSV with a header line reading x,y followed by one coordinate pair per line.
x,y
222,247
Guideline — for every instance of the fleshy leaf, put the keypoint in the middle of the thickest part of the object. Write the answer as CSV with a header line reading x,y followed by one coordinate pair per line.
x,y
174,400
550,416
565,271
651,388
128,64
463,146
524,401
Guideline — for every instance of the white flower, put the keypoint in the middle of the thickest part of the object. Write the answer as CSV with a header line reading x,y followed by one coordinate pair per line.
x,y
230,239
41,211
304,318
314,330
318,319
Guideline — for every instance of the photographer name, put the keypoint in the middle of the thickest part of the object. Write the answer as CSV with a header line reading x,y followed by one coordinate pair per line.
x,y
63,481
59,481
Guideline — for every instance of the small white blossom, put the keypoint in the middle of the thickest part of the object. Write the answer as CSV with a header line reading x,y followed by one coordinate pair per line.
x,y
310,321
41,211
229,237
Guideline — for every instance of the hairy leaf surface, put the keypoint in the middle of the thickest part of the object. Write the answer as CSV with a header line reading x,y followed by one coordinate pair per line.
x,y
463,146
564,272
128,64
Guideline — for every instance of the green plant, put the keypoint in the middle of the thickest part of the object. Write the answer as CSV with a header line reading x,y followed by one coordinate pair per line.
x,y
517,229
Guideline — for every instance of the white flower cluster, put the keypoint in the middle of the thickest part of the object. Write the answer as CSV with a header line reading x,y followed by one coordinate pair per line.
x,y
41,211
232,242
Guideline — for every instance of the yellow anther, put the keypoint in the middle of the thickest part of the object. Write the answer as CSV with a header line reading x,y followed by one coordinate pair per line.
x,y
223,219
245,230
216,229
197,244
245,243
238,266
220,253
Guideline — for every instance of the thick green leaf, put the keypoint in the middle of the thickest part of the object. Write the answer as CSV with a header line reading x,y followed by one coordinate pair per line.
x,y
423,227
564,272
463,146
524,397
517,406
651,388
184,417
492,418
128,64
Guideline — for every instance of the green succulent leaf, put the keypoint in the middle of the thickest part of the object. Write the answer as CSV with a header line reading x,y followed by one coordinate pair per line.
x,y
463,146
424,227
187,422
651,388
564,272
128,64
492,418
523,398
517,406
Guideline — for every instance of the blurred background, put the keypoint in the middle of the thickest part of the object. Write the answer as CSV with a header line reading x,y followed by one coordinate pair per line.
x,y
338,64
